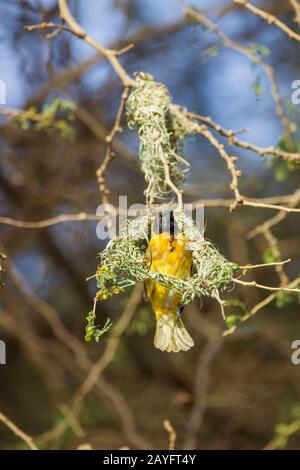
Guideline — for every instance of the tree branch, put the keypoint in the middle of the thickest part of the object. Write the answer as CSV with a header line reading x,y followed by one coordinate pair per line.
x,y
269,18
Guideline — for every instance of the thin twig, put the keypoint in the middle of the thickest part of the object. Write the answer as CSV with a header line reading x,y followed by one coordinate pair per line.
x,y
110,54
18,432
172,434
230,161
269,18
79,217
287,431
47,25
261,286
168,180
232,140
259,306
100,173
274,248
296,7
263,265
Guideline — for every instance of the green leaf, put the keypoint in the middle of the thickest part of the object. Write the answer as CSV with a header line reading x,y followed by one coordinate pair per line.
x,y
283,299
269,257
281,172
261,49
211,51
256,87
284,143
92,331
98,333
295,412
232,320
270,161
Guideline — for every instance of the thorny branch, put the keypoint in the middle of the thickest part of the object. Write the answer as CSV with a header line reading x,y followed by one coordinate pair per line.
x,y
269,18
109,54
109,150
260,305
230,161
233,140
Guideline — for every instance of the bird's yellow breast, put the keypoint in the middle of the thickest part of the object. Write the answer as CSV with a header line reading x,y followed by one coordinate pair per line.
x,y
167,256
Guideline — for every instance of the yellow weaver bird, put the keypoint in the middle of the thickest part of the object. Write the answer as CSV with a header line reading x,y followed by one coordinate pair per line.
x,y
168,255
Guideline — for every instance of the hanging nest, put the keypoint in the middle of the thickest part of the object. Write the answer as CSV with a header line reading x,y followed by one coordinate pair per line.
x,y
161,135
123,263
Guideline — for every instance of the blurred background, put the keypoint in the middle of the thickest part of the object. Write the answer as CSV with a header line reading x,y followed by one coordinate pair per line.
x,y
227,392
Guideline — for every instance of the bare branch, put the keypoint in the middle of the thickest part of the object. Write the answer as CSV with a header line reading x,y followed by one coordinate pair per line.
x,y
110,54
232,140
260,286
269,18
18,432
109,151
172,434
296,7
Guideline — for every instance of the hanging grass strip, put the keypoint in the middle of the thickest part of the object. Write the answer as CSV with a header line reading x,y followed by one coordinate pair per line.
x,y
161,135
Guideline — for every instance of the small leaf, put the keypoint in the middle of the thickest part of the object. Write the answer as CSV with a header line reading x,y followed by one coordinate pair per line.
x,y
232,320
261,49
269,257
256,87
283,299
281,172
211,51
92,331
98,333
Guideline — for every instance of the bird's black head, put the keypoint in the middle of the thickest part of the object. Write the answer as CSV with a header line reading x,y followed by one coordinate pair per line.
x,y
166,223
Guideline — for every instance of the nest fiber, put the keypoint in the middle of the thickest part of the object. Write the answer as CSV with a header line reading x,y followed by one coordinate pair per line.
x,y
161,135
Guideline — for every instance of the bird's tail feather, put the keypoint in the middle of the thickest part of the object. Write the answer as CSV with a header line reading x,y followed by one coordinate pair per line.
x,y
171,334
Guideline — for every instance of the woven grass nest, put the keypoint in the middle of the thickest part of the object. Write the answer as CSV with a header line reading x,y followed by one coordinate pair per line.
x,y
123,262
